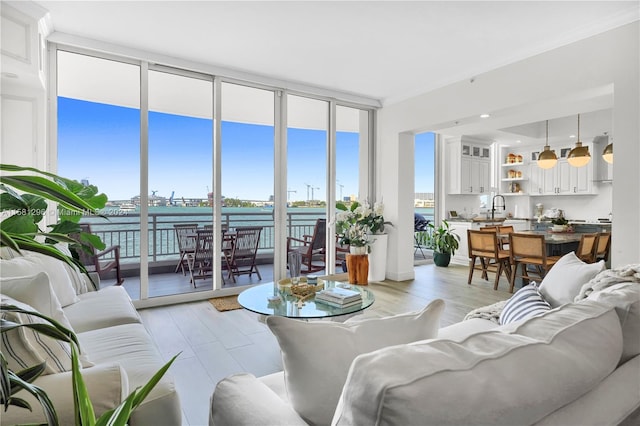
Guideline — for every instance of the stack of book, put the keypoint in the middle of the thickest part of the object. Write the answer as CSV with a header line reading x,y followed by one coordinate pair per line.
x,y
339,297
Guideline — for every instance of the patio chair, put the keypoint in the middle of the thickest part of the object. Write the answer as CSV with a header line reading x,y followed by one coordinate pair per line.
x,y
243,253
200,260
420,224
311,248
185,236
100,262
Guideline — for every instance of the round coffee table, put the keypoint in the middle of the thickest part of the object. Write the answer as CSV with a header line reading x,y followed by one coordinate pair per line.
x,y
256,299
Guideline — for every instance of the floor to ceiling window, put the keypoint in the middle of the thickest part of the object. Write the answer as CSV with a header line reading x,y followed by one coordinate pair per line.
x,y
151,138
180,164
98,106
247,183
424,204
307,141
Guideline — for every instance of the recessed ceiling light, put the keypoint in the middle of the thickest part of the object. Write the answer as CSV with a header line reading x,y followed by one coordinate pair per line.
x,y
518,141
9,75
572,136
484,116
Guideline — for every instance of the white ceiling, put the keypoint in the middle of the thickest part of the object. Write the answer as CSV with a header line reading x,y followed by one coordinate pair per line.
x,y
385,50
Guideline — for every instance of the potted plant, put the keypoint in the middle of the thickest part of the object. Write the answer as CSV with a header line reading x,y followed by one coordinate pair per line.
x,y
24,202
356,224
443,242
560,224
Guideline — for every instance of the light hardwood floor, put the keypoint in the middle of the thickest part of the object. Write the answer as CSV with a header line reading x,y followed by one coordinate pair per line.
x,y
216,344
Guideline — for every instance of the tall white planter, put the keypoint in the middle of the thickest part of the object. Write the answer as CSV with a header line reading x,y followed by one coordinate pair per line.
x,y
378,258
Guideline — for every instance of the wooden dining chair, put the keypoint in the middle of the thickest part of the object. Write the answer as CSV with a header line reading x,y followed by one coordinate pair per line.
x,y
603,246
489,228
587,248
529,250
484,246
185,236
244,251
503,235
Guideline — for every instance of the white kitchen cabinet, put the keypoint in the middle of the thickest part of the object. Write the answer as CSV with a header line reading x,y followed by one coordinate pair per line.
x,y
461,256
536,179
469,165
562,179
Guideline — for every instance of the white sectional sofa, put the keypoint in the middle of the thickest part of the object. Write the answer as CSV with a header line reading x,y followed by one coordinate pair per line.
x,y
118,352
575,363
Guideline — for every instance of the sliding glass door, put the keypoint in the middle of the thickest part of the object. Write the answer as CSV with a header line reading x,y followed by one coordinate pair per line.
x,y
247,183
180,167
307,142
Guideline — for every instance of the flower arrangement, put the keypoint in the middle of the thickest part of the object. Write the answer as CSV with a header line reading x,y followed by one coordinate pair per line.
x,y
356,224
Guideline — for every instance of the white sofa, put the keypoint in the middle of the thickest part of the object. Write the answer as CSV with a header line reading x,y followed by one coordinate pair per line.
x,y
577,363
119,354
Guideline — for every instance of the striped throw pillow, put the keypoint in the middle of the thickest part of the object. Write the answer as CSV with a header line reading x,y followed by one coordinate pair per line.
x,y
24,347
525,303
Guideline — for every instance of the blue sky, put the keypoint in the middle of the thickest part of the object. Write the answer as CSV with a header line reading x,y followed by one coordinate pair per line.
x,y
424,162
100,143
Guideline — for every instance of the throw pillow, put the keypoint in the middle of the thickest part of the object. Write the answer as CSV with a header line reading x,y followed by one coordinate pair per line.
x,y
80,281
35,291
525,303
563,282
24,347
33,262
317,355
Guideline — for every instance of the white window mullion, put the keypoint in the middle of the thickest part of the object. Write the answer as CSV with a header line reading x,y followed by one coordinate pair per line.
x,y
331,190
280,186
144,180
217,182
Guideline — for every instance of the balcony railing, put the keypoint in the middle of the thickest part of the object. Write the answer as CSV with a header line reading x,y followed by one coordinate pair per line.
x,y
124,230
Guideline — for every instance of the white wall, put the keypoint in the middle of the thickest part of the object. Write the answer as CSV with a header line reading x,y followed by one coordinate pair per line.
x,y
23,89
611,57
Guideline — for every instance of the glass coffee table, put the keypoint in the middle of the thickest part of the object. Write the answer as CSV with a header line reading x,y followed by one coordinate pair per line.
x,y
256,299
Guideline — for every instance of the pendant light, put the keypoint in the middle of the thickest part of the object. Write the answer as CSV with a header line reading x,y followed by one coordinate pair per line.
x,y
607,154
579,156
547,158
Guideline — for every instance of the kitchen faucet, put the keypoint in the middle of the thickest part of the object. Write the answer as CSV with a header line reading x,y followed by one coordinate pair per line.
x,y
493,205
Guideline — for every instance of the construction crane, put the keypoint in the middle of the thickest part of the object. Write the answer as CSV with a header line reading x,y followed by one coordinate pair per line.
x,y
289,191
312,196
308,187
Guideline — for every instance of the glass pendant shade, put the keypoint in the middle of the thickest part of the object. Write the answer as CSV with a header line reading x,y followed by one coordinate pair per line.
x,y
607,154
579,156
547,158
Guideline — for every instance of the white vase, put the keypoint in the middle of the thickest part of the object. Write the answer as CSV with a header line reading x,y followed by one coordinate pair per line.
x,y
357,250
378,258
